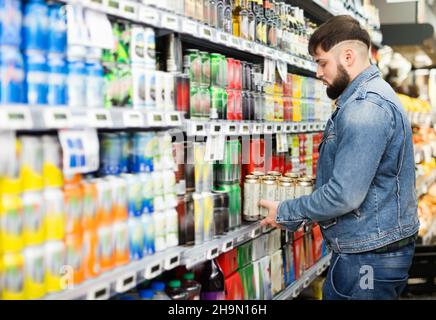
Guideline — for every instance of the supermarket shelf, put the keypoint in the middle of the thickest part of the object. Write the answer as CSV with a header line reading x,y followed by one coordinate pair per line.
x,y
295,289
191,29
122,278
423,183
212,249
24,117
217,127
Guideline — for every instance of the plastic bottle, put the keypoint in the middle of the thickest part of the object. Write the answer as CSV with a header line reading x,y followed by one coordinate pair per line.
x,y
146,294
191,286
158,288
175,290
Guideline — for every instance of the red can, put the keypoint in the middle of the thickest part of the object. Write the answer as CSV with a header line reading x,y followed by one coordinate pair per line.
x,y
230,73
287,109
287,86
237,69
182,92
231,104
238,104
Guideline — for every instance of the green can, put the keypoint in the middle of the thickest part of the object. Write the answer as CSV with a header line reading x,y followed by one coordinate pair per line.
x,y
215,70
205,103
216,102
205,68
234,192
195,101
192,61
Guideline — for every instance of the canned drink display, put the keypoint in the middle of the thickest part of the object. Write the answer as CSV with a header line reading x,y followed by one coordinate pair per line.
x,y
286,189
148,226
74,258
13,276
73,201
34,218
251,210
106,248
268,192
54,255
91,254
136,238
121,243
31,162
160,236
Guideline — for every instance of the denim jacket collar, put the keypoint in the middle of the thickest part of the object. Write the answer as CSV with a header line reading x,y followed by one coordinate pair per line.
x,y
367,74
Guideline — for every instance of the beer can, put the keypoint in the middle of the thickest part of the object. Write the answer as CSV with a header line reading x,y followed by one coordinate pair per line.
x,y
193,61
195,101
199,218
134,194
121,243
209,225
237,74
205,68
231,111
52,165
306,184
74,258
136,238
150,89
54,253
231,73
34,272
11,219
104,201
251,198
141,158
171,226
179,157
119,198
125,152
91,254
106,247
216,76
148,192
238,105
268,192
13,276
73,199
54,214
159,218
205,102
90,219
31,162
274,174
185,213
148,233
157,179
182,93
286,189
221,212
216,103
34,218
169,98
235,215
110,153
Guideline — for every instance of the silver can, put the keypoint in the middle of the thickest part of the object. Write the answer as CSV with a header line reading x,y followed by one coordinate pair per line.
x,y
274,174
269,191
292,175
251,210
286,189
305,187
258,174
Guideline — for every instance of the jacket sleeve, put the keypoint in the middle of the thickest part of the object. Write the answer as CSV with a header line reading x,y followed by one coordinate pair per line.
x,y
362,133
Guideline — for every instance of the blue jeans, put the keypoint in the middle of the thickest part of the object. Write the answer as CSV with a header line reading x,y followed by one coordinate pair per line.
x,y
368,275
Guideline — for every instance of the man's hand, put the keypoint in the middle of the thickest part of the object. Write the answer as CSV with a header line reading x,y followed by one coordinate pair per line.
x,y
272,213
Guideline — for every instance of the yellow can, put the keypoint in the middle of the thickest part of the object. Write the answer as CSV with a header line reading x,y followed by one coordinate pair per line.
x,y
13,276
31,160
51,169
34,218
34,272
54,252
11,216
54,214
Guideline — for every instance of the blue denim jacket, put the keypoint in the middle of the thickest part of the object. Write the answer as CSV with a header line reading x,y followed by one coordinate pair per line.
x,y
365,195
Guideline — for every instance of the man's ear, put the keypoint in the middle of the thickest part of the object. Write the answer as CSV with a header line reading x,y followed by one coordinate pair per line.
x,y
349,56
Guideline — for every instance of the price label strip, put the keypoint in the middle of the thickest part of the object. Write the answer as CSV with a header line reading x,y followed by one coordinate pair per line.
x,y
149,16
126,282
190,27
129,10
288,128
155,119
153,270
222,38
213,253
256,232
206,33
231,129
173,119
100,118
16,118
227,246
102,292
170,22
133,119
56,118
172,261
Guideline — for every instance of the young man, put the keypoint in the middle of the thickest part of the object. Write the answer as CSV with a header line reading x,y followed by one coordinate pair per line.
x,y
365,199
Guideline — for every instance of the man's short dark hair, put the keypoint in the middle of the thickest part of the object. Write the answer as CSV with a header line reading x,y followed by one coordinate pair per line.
x,y
335,30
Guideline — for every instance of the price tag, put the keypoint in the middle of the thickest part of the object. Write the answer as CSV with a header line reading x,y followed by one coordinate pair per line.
x,y
244,129
268,128
311,127
97,2
56,118
257,129
231,129
282,142
215,148
317,126
270,53
190,27
113,5
100,118
196,129
130,10
304,127
215,129
256,232
126,282
227,246
196,260
133,119
288,128
241,238
206,33
296,292
173,119
155,119
235,42
172,261
222,37
16,118
249,46
278,128
323,126
212,253
294,60
149,16
170,22
99,293
153,270
306,283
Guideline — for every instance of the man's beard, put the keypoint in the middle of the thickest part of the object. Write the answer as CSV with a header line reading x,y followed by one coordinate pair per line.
x,y
339,84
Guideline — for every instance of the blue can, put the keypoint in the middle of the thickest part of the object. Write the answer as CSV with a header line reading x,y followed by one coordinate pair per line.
x,y
110,154
136,238
57,81
57,36
76,83
12,88
35,25
141,157
148,225
10,22
94,84
36,78
125,152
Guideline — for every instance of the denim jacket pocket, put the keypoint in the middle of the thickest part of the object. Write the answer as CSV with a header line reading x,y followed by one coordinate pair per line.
x,y
328,224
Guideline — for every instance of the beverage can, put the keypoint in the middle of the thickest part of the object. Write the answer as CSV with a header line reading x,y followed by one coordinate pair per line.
x,y
150,89
34,272
35,64
169,97
110,153
90,218
94,84
182,93
74,258
198,218
208,217
57,35
54,214
150,48
104,201
119,198
11,218
10,23
73,197
52,162
231,77
134,195
150,190
31,162
106,248
171,226
54,254
12,76
125,151
13,276
205,69
251,198
149,233
142,152
195,102
34,218
136,238
35,25
121,243
269,191
137,44
76,83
